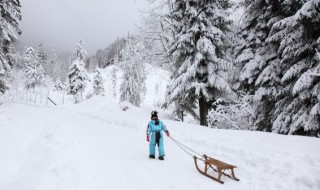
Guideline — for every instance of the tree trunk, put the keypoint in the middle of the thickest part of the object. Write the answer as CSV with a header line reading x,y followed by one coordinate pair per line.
x,y
182,116
204,109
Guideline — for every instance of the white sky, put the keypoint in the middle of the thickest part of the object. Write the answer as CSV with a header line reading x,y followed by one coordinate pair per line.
x,y
61,23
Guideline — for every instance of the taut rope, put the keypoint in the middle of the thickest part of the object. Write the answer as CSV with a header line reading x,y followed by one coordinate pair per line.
x,y
186,149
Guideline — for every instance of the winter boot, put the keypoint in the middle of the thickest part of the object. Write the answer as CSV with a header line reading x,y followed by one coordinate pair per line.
x,y
161,158
151,156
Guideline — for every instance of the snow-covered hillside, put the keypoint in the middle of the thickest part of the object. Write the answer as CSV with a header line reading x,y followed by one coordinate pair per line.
x,y
95,145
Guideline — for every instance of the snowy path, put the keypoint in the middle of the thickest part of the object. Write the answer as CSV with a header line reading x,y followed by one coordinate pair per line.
x,y
97,146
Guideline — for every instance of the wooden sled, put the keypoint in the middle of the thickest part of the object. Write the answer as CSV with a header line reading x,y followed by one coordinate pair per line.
x,y
217,166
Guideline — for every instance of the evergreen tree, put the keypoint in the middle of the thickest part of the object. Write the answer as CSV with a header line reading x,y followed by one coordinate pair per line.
x,y
258,60
297,38
199,54
133,85
78,75
34,72
9,27
114,81
98,83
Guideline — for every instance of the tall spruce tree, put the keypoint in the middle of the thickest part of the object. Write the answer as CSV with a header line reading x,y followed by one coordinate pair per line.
x,y
297,38
199,54
78,75
133,85
10,14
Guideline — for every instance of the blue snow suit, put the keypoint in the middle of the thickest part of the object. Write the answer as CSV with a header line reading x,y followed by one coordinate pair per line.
x,y
156,136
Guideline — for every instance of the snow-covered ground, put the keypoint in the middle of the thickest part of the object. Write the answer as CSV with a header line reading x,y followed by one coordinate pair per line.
x,y
95,145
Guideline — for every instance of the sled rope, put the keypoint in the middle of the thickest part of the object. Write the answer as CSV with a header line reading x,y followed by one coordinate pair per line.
x,y
184,147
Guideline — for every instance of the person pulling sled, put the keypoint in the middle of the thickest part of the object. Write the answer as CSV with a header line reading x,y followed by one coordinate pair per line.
x,y
155,128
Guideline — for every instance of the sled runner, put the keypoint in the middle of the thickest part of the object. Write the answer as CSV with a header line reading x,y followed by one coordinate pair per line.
x,y
215,165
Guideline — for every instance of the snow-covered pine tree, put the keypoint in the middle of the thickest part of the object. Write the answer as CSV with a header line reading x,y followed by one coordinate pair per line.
x,y
9,27
114,81
297,38
133,85
78,75
199,53
258,60
34,72
98,83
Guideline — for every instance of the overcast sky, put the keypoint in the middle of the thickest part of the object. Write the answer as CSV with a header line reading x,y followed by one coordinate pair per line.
x,y
61,23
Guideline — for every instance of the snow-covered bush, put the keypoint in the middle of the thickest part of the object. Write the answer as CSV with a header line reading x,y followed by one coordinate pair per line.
x,y
58,86
232,115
